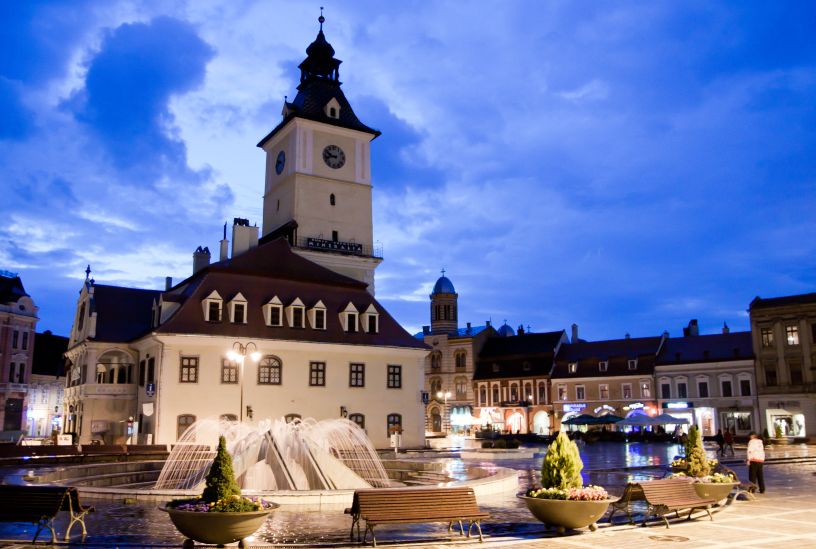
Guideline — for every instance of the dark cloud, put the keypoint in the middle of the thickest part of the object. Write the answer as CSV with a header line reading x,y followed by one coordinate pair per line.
x,y
128,88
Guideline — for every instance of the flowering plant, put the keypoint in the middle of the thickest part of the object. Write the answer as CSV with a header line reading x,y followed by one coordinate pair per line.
x,y
587,493
222,494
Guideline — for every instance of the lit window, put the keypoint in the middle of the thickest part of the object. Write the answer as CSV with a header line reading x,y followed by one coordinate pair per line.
x,y
767,337
792,335
603,366
603,392
572,367
645,389
633,364
626,390
229,371
580,392
562,392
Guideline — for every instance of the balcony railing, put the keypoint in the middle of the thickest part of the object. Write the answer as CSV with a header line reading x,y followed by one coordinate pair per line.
x,y
339,247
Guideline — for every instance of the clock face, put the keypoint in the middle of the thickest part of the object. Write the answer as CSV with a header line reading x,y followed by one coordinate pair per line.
x,y
334,157
280,162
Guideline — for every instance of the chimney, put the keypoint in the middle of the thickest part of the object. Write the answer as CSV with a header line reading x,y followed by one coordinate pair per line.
x,y
426,330
520,330
726,329
244,237
224,245
487,323
574,333
168,282
468,328
692,329
627,336
201,258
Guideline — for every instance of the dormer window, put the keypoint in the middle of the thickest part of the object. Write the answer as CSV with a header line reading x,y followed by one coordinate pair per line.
x,y
633,364
572,367
237,309
295,314
273,312
371,320
332,109
317,316
349,318
603,366
212,305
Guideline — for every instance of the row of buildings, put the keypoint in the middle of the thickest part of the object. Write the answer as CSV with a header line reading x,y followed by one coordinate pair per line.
x,y
520,382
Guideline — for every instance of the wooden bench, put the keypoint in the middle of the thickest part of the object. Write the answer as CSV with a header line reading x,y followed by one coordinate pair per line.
x,y
415,505
672,495
40,505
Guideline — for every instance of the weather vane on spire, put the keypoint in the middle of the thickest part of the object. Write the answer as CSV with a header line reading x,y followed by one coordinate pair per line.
x,y
321,19
87,272
443,271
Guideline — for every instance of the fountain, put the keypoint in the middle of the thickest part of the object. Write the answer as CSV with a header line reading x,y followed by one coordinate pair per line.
x,y
330,454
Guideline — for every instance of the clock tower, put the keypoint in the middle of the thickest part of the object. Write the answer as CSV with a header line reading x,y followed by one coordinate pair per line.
x,y
318,172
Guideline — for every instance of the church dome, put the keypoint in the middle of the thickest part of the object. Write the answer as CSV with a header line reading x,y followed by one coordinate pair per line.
x,y
444,286
506,331
320,49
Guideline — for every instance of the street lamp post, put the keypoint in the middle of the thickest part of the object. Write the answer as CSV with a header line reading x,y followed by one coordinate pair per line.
x,y
446,395
238,353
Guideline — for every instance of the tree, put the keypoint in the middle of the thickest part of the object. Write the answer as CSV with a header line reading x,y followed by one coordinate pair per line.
x,y
695,455
562,464
221,479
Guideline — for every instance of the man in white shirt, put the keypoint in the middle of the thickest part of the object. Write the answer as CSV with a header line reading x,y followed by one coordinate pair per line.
x,y
756,460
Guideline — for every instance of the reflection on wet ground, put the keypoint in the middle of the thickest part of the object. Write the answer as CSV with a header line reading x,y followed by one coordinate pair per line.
x,y
119,524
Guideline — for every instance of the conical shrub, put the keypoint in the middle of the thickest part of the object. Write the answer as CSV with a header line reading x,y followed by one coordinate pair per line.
x,y
562,464
695,455
221,479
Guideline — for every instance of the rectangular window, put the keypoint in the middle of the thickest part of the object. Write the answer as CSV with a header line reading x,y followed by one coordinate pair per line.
x,y
702,389
792,335
238,313
727,389
770,375
189,369
275,315
15,339
665,390
682,390
320,319
572,367
626,390
229,371
603,366
12,372
317,374
394,376
142,373
372,324
356,375
297,317
214,312
767,337
745,387
269,371
542,393
351,322
580,392
603,391
151,370
562,392
795,368
632,364
645,389
25,341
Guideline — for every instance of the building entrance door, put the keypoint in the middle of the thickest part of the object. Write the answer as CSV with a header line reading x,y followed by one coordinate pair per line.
x,y
436,421
14,415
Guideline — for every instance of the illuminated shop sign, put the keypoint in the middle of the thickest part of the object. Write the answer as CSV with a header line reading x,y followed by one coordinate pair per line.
x,y
678,405
605,407
636,406
574,407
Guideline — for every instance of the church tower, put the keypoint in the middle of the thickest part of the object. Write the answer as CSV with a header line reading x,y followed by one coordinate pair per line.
x,y
318,172
444,300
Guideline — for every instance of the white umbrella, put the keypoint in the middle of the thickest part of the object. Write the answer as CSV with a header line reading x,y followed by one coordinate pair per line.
x,y
666,419
640,420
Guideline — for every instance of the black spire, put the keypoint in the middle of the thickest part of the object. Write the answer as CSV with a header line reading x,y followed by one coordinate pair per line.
x,y
320,62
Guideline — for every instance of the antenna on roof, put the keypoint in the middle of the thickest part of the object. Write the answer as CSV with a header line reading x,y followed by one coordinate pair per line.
x,y
87,272
321,19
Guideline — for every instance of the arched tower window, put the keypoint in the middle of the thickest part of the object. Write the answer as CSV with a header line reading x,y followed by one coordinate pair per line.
x,y
436,360
332,200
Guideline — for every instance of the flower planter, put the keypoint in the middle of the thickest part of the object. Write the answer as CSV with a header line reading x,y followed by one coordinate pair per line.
x,y
564,513
714,490
781,440
217,528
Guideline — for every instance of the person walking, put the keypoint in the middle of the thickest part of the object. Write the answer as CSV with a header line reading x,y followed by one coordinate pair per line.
x,y
720,440
756,460
729,442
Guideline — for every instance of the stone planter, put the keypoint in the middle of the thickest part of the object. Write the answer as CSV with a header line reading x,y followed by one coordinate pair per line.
x,y
563,514
781,440
714,490
217,528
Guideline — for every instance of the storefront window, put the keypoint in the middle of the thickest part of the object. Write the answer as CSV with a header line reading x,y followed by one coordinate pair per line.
x,y
738,422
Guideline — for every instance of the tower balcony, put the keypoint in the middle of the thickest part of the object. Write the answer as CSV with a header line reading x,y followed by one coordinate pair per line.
x,y
338,247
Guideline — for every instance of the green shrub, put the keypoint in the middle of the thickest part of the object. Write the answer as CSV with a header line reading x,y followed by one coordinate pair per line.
x,y
698,465
221,479
500,443
487,444
513,443
562,464
778,433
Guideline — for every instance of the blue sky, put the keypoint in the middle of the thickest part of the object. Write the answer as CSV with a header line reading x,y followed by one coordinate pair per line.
x,y
623,165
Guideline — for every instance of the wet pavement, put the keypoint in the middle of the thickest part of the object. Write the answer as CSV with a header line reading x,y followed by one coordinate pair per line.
x,y
784,516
